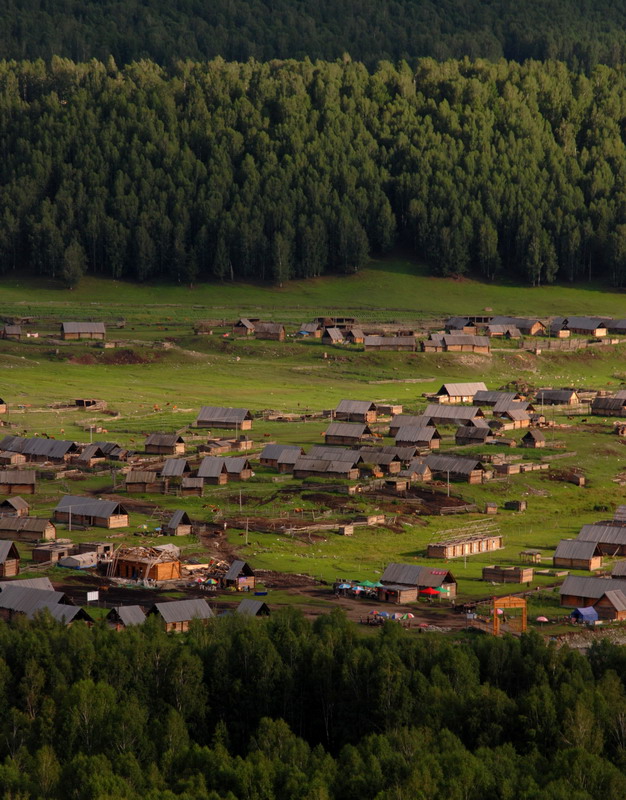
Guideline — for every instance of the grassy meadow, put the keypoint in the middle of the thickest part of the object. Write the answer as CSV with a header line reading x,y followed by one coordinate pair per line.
x,y
149,388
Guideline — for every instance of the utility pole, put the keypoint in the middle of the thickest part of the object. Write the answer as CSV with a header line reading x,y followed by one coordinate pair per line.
x,y
247,530
448,483
69,519
240,503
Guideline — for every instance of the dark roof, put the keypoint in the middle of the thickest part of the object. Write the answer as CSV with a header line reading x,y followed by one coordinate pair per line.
x,y
128,615
110,448
577,549
29,583
330,453
387,341
13,330
603,534
211,467
89,507
586,323
415,575
523,323
273,452
617,598
91,451
49,448
28,600
174,468
179,517
305,464
140,476
537,436
251,608
457,323
417,433
8,550
348,429
408,419
309,327
354,407
583,586
164,439
556,395
83,327
192,483
221,414
334,334
453,464
268,327
244,322
235,570
506,404
619,569
608,403
16,476
444,411
182,610
477,434
17,524
236,464
463,339
493,397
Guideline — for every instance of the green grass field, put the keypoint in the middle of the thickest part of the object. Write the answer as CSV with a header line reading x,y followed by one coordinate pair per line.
x,y
152,389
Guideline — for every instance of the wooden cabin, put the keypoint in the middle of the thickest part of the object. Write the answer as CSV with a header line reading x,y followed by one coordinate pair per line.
x,y
143,482
460,325
588,326
14,507
82,330
10,459
399,420
177,615
244,327
179,524
390,343
9,559
471,435
51,552
612,606
240,576
101,549
389,409
465,546
533,438
456,342
456,468
192,487
417,472
92,454
40,449
526,326
421,436
608,407
17,482
27,529
355,336
556,397
165,444
332,336
499,574
402,582
356,411
306,467
453,415
310,329
611,538
273,331
227,418
3,408
12,332
346,433
459,392
252,608
574,554
121,617
579,591
238,468
280,455
78,510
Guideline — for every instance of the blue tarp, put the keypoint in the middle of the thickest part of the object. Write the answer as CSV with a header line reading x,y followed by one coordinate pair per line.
x,y
588,614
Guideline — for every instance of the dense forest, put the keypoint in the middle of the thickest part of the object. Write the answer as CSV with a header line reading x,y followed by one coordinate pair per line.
x,y
254,710
582,33
292,169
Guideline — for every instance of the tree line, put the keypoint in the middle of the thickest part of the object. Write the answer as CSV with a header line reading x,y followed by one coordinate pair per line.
x,y
289,169
248,709
582,34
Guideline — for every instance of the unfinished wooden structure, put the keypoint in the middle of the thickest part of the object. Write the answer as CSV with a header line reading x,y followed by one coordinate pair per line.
x,y
500,574
144,563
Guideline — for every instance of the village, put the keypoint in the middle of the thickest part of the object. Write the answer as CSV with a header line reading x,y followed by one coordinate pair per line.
x,y
208,518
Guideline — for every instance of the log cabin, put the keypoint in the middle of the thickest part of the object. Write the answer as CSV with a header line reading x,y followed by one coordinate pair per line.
x,y
17,482
165,444
277,455
143,482
121,617
579,591
398,579
82,330
240,576
574,554
9,559
252,608
27,529
227,418
179,524
465,546
79,510
459,392
499,574
346,433
356,411
14,507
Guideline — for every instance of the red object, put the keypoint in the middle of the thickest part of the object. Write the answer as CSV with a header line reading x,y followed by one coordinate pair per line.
x,y
429,590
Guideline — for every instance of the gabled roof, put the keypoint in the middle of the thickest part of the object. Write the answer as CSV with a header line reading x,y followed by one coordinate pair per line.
x,y
608,403
616,598
192,483
408,419
453,464
389,341
128,615
355,407
603,534
535,435
417,433
8,550
16,502
221,414
576,549
182,610
89,507
251,608
179,517
506,404
268,327
164,439
28,600
236,464
334,334
236,569
309,327
49,448
83,327
329,453
110,449
17,476
619,569
244,322
348,429
583,586
91,451
140,476
478,434
457,323
273,452
29,583
211,467
444,411
415,575
460,339
306,464
30,524
493,397
462,389
586,323
175,468
557,395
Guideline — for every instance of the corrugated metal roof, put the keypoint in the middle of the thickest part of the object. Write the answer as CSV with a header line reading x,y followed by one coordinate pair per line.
x,y
304,464
236,464
354,407
608,404
192,483
465,339
235,570
376,457
603,534
586,323
164,439
619,570
26,599
220,414
556,395
478,434
616,324
174,468
417,433
8,550
435,410
505,403
179,517
110,448
329,453
583,586
462,389
49,448
29,583
403,453
18,503
211,467
183,610
575,548
348,429
128,615
453,464
89,507
415,575
250,607
29,524
140,476
16,476
408,419
83,327
91,451
334,334
617,598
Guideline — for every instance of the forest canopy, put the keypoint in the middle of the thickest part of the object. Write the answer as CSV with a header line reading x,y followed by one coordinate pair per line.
x,y
582,33
246,709
292,169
